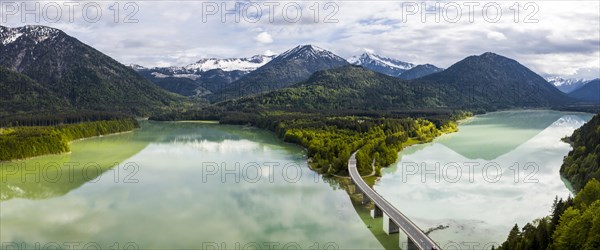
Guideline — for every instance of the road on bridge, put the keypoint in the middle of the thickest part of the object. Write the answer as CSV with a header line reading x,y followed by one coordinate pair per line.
x,y
421,240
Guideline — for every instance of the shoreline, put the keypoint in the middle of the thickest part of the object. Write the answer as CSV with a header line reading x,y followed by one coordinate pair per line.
x,y
70,142
100,136
198,121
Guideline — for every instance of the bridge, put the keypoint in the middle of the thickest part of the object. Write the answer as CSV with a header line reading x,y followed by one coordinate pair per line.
x,y
393,219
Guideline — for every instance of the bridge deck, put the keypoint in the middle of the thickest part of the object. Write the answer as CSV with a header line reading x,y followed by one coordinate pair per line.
x,y
421,240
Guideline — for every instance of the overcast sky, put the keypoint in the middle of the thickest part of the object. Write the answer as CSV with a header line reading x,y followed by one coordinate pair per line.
x,y
550,37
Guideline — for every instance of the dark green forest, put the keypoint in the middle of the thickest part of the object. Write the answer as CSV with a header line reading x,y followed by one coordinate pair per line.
x,y
574,222
19,93
24,142
582,163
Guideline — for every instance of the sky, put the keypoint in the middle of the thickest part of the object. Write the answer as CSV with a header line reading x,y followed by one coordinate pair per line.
x,y
553,38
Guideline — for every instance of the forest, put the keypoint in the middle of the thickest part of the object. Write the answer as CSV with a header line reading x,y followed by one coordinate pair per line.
x,y
574,222
330,140
582,163
28,141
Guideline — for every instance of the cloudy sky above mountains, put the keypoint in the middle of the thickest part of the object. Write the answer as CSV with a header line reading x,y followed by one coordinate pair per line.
x,y
551,37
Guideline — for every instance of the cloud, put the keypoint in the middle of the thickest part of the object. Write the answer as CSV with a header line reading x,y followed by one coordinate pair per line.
x,y
269,53
496,36
264,37
565,38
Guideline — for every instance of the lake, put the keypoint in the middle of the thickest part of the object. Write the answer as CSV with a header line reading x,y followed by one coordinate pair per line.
x,y
206,186
175,186
500,169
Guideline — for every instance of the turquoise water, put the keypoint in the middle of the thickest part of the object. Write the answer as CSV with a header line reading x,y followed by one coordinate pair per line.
x,y
176,186
208,186
500,169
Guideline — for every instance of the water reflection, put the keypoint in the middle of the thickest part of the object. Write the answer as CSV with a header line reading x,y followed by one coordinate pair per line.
x,y
181,203
495,134
499,169
56,175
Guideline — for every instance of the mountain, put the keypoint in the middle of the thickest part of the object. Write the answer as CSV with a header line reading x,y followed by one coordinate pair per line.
x,y
78,74
566,85
381,64
293,66
486,82
204,77
190,82
588,92
231,64
419,71
19,93
346,88
491,81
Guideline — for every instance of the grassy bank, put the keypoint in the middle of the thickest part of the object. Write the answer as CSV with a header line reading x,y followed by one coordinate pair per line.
x,y
25,142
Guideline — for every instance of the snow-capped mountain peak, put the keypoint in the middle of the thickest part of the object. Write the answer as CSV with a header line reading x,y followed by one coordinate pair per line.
x,y
372,58
306,51
566,85
559,81
230,64
382,64
37,33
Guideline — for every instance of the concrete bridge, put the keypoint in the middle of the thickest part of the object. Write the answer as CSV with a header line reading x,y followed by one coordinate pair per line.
x,y
393,220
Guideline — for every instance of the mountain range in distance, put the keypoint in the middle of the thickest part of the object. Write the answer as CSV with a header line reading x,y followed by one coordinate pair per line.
x,y
290,67
579,89
485,82
186,80
590,92
567,85
298,64
381,64
44,69
419,71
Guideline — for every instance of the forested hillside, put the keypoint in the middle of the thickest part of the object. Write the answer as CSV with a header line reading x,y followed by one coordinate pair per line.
x,y
480,83
19,93
345,88
490,81
582,163
589,92
79,76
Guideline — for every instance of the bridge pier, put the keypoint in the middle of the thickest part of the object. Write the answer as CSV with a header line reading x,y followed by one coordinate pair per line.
x,y
365,198
376,212
411,245
403,238
389,226
390,214
406,242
